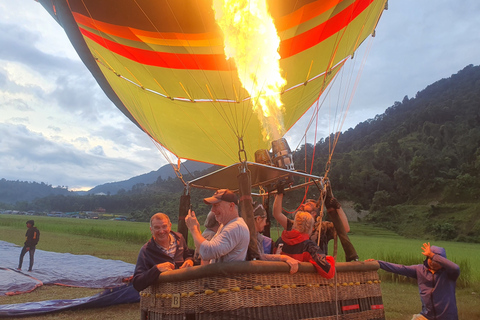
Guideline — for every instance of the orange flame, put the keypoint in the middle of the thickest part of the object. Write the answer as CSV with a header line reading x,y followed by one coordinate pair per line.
x,y
252,40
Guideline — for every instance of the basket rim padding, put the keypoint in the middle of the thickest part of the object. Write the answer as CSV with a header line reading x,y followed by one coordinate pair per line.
x,y
257,266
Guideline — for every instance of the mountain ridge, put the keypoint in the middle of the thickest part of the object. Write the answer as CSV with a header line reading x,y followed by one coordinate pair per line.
x,y
186,169
12,191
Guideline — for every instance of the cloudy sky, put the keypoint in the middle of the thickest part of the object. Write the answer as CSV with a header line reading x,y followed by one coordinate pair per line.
x,y
57,126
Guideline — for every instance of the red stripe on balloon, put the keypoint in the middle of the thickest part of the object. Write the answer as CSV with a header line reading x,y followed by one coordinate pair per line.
x,y
314,36
288,47
164,59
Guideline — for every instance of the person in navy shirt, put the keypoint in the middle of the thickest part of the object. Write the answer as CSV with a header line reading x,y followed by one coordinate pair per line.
x,y
436,278
31,240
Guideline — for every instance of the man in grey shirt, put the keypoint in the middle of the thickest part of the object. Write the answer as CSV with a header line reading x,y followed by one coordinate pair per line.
x,y
232,238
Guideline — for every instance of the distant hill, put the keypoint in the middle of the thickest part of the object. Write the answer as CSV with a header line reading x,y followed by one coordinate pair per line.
x,y
17,191
12,192
165,172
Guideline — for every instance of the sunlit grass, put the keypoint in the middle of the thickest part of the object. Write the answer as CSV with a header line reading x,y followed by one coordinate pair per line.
x,y
401,300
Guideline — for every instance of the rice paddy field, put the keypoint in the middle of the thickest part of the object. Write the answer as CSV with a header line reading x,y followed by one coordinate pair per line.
x,y
122,240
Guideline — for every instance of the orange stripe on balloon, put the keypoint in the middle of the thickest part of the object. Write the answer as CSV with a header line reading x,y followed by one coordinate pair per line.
x,y
164,59
312,37
304,14
135,34
294,19
288,47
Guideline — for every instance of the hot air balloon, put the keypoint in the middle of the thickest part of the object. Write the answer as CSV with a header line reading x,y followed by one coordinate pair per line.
x,y
163,63
216,81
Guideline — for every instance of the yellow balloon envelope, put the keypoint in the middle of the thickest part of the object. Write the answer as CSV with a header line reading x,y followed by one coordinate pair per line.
x,y
162,62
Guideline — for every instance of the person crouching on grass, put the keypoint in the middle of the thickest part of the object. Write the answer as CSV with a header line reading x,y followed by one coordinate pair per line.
x,y
436,279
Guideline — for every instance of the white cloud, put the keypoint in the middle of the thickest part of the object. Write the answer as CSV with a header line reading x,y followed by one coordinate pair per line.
x,y
33,157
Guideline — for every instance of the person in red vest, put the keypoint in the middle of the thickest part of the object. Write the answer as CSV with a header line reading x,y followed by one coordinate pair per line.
x,y
297,244
326,229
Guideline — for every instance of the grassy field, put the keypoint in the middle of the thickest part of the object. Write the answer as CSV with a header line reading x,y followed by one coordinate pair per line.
x,y
121,240
385,245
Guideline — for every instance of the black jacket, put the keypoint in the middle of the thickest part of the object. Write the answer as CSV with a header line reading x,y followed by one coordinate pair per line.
x,y
146,272
31,237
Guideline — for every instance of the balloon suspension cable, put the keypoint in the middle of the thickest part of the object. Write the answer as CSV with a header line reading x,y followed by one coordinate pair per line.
x,y
321,201
242,155
315,117
176,168
313,152
327,167
332,140
178,173
262,191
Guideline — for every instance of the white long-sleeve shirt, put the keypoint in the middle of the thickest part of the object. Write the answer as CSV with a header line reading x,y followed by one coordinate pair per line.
x,y
230,243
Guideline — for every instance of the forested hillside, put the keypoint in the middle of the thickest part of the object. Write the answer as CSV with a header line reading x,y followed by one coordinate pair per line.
x,y
24,191
421,149
415,167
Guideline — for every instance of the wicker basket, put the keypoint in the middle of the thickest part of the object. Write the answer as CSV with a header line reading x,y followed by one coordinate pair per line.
x,y
265,290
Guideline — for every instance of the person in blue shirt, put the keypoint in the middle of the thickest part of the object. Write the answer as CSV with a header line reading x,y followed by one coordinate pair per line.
x,y
436,278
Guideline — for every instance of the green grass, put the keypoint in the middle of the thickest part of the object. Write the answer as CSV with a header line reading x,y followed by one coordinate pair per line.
x,y
381,244
401,300
125,231
110,230
76,244
458,222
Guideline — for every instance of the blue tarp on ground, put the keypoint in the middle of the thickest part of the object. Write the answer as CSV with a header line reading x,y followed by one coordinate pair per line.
x,y
119,295
13,282
63,269
58,268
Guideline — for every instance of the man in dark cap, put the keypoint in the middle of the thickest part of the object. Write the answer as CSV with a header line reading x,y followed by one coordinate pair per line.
x,y
31,239
232,238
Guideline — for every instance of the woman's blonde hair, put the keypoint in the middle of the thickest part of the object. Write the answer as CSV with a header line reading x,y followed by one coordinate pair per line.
x,y
303,222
